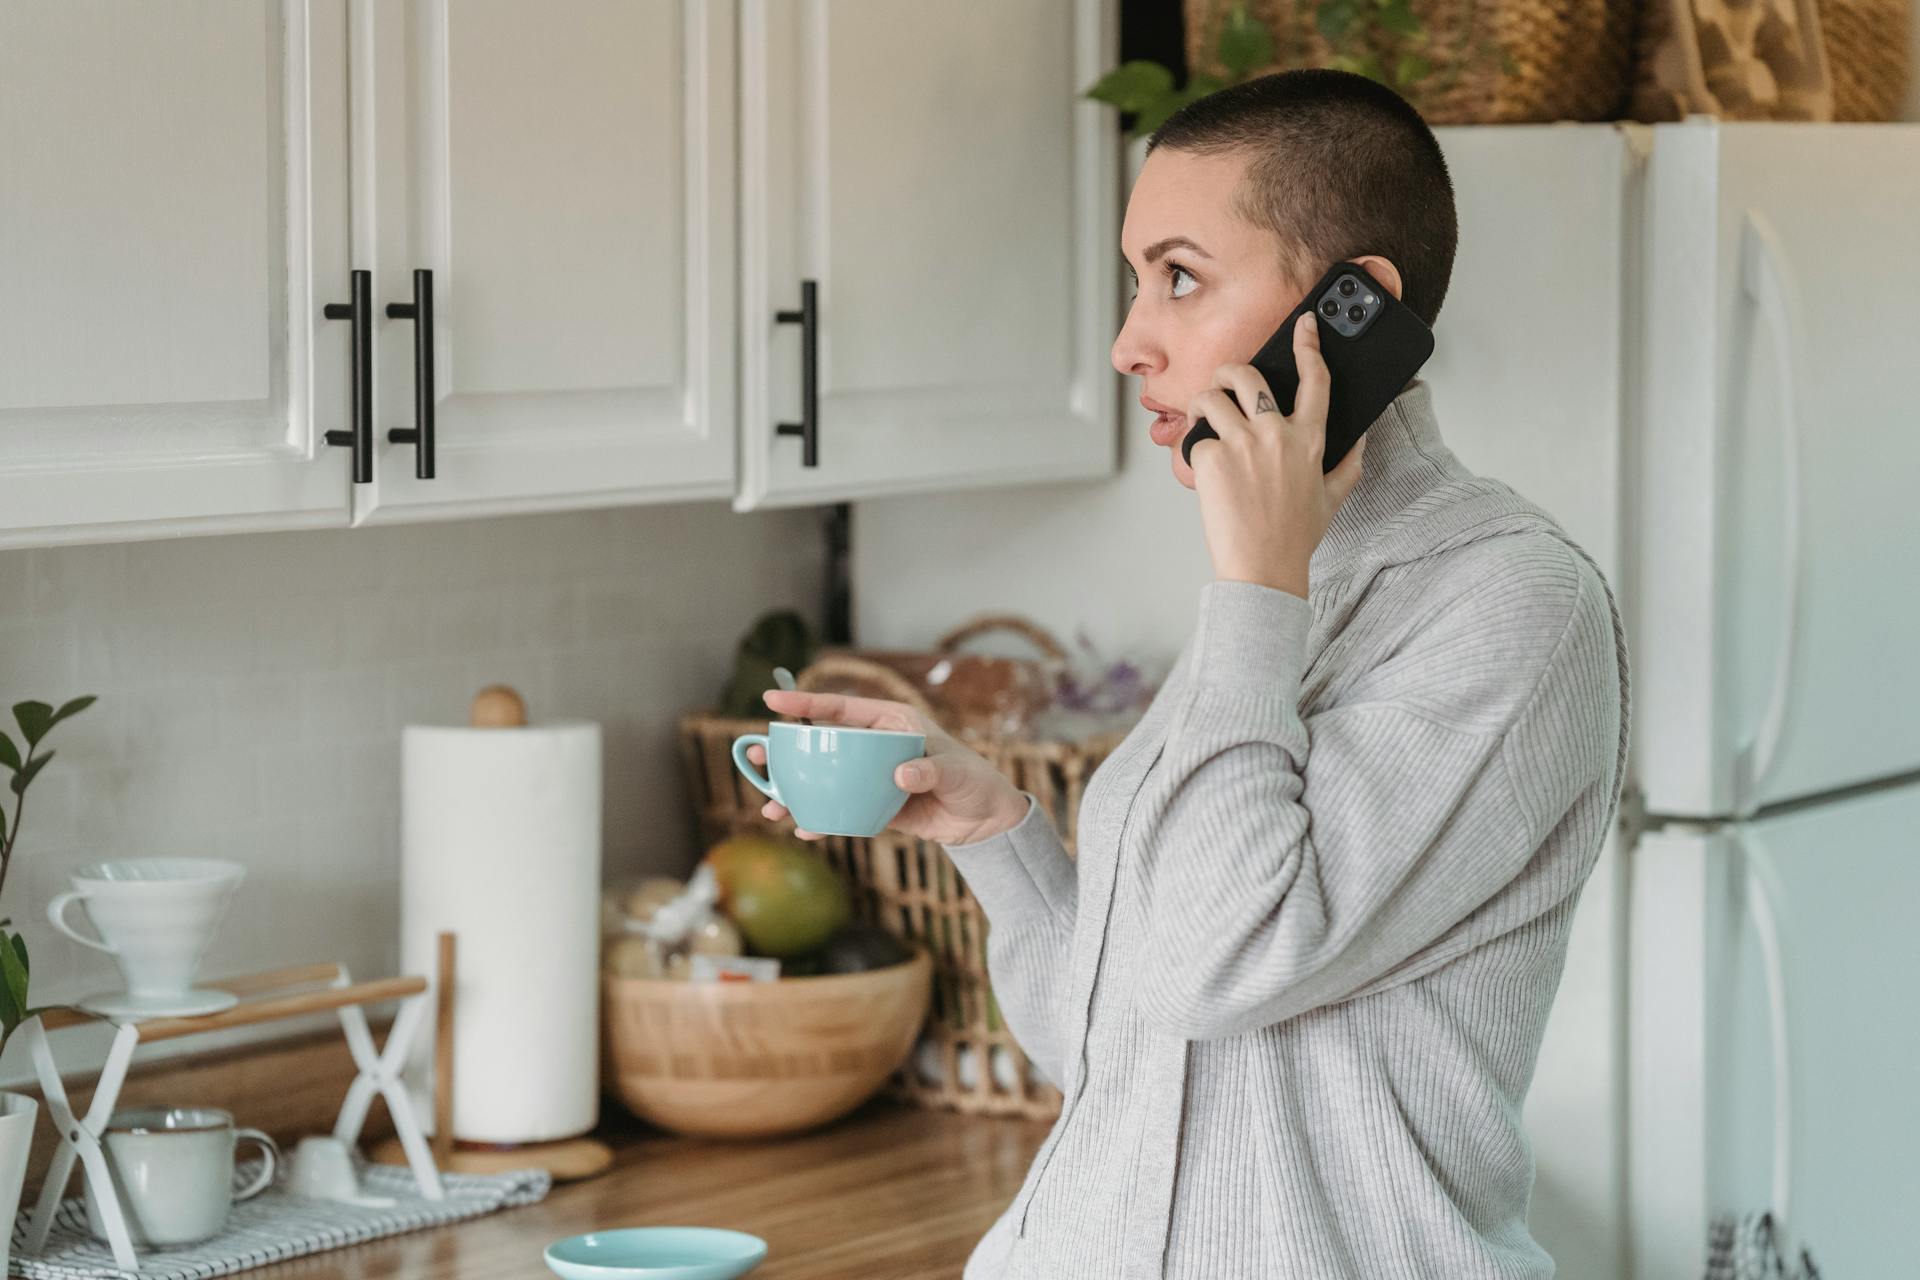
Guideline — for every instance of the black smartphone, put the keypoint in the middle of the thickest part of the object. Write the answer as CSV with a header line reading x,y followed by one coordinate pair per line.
x,y
1372,344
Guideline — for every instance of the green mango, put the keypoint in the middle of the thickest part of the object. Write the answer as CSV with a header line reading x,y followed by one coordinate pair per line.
x,y
784,898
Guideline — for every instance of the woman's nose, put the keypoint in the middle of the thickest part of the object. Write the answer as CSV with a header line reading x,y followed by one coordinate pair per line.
x,y
1132,354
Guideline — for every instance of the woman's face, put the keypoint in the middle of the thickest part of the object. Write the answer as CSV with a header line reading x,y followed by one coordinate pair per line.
x,y
1210,287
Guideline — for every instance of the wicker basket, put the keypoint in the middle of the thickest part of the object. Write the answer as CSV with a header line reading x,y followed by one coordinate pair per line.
x,y
1493,61
973,696
1845,60
910,887
1869,56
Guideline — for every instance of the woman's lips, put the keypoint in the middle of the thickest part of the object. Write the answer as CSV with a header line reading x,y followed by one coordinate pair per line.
x,y
1166,428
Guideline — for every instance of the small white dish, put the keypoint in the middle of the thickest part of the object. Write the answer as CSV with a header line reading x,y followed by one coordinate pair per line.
x,y
323,1169
187,1004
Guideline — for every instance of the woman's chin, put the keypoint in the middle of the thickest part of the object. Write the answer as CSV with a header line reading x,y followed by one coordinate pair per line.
x,y
1181,471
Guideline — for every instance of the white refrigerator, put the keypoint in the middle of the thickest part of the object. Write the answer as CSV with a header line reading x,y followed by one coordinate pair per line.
x,y
1773,513
1697,345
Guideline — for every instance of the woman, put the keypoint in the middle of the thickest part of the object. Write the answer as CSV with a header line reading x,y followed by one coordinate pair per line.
x,y
1295,984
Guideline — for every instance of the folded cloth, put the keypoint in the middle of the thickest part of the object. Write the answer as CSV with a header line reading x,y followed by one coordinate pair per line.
x,y
276,1225
1745,1248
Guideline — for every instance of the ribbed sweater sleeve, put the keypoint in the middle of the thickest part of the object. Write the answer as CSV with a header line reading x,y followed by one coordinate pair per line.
x,y
1297,860
1026,883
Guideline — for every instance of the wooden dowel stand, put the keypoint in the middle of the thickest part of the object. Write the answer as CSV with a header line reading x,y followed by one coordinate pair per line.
x,y
443,1055
249,1012
568,1159
330,989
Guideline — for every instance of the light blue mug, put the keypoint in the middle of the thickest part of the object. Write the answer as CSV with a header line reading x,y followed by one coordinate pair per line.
x,y
835,780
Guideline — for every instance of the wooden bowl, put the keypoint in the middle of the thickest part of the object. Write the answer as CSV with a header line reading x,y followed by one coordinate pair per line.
x,y
754,1059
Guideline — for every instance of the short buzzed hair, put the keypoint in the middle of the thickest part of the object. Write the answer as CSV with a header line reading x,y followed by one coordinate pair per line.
x,y
1338,166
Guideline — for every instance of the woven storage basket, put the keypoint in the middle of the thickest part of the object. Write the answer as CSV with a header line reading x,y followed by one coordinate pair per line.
x,y
1494,61
1773,59
1869,56
909,886
973,696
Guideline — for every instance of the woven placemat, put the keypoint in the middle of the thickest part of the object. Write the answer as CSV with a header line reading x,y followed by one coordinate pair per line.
x,y
275,1226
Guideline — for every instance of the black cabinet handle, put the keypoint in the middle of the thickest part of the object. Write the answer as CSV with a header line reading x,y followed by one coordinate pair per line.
x,y
808,428
420,434
360,311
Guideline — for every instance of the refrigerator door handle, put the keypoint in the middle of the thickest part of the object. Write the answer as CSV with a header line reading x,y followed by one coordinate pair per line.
x,y
1763,901
1766,279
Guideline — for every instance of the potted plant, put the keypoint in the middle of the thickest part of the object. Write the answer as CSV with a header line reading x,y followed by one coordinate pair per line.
x,y
17,1111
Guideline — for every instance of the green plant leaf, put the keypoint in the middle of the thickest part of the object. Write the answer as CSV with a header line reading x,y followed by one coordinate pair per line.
x,y
22,778
13,980
1398,17
72,708
14,967
1245,43
1201,84
1334,17
1133,86
35,719
1156,115
9,754
1411,69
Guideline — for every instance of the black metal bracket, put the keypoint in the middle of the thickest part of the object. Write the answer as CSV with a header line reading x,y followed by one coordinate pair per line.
x,y
420,311
808,428
360,312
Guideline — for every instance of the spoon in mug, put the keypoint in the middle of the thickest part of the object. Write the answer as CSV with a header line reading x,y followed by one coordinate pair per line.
x,y
784,678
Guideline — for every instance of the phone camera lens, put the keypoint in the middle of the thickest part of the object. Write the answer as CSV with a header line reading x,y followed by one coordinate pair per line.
x,y
1356,313
1330,307
1346,286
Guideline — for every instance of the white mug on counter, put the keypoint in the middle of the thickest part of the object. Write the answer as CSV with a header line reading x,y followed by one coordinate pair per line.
x,y
155,916
172,1168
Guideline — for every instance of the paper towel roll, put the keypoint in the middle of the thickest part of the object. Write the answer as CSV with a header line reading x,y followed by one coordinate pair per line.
x,y
500,843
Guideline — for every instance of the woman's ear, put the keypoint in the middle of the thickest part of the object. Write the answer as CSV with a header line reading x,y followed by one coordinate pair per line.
x,y
1382,270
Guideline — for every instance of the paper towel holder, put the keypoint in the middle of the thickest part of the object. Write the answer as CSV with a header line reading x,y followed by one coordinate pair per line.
x,y
567,1160
498,706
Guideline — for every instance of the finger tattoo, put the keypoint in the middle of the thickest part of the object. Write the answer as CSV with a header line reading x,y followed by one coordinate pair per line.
x,y
1263,403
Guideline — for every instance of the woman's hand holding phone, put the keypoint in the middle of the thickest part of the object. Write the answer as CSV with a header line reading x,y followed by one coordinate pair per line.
x,y
1265,503
955,796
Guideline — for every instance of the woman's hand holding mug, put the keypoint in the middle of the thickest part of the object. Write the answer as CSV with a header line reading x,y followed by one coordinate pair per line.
x,y
954,795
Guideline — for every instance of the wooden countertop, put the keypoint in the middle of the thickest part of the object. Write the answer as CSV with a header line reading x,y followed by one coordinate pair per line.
x,y
889,1193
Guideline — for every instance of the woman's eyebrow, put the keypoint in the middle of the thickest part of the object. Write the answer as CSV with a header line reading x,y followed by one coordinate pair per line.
x,y
1152,253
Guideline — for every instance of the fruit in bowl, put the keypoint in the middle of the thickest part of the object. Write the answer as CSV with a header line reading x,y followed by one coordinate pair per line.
x,y
739,1058
755,1059
781,895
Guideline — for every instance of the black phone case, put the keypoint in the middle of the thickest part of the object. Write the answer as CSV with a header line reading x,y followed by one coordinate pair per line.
x,y
1365,371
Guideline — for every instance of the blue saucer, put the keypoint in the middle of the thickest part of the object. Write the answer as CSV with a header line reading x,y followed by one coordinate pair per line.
x,y
656,1253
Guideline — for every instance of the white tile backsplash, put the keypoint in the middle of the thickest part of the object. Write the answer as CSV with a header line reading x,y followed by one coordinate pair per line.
x,y
252,689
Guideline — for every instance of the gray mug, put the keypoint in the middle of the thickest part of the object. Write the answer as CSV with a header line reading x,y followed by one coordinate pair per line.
x,y
172,1168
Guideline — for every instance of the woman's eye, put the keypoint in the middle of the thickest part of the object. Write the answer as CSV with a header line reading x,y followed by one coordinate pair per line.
x,y
1174,271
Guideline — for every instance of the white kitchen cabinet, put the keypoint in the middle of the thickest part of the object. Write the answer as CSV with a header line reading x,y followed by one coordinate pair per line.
x,y
933,170
566,173
185,192
173,219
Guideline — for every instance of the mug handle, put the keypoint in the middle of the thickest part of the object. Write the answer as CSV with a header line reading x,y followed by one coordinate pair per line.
x,y
268,1148
740,745
56,916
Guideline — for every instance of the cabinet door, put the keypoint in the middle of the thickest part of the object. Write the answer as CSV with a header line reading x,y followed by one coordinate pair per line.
x,y
565,170
933,168
173,220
